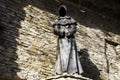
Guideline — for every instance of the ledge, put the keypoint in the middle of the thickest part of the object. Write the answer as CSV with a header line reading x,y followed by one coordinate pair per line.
x,y
67,77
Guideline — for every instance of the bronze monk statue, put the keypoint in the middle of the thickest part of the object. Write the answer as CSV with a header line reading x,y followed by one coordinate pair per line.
x,y
67,58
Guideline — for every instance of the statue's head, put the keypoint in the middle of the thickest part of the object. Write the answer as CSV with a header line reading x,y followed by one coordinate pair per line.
x,y
62,11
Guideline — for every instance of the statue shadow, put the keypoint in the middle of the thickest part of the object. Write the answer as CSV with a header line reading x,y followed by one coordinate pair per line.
x,y
89,68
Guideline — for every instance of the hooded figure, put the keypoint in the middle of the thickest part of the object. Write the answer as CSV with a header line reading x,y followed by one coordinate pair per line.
x,y
67,56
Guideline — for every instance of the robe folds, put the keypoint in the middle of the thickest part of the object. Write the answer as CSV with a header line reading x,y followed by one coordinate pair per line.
x,y
67,56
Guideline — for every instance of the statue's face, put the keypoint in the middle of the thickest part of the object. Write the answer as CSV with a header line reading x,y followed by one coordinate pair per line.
x,y
62,11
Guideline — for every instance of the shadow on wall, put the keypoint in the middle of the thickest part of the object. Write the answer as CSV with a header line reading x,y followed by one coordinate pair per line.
x,y
87,14
90,69
12,13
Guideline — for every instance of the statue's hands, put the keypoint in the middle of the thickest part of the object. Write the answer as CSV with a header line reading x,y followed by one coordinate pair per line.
x,y
67,33
62,31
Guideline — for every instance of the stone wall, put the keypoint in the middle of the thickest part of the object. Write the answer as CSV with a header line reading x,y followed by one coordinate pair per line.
x,y
28,45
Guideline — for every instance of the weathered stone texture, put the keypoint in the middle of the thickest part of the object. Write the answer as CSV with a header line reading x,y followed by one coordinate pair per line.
x,y
28,45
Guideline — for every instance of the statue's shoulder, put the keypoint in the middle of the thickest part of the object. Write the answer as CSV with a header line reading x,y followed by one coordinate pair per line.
x,y
67,20
72,21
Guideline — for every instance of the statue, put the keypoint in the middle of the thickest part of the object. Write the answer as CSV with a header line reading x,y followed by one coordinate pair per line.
x,y
67,58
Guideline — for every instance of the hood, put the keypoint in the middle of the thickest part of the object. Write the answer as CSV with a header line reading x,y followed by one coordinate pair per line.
x,y
62,11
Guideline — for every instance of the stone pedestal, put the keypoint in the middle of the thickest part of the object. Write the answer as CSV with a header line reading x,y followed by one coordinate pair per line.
x,y
67,77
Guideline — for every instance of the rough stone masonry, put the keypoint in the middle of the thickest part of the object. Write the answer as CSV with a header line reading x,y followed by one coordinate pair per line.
x,y
28,45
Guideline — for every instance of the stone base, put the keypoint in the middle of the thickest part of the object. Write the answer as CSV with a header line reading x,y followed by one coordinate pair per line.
x,y
67,77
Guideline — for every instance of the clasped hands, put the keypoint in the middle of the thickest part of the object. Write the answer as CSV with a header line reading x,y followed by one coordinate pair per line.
x,y
65,31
